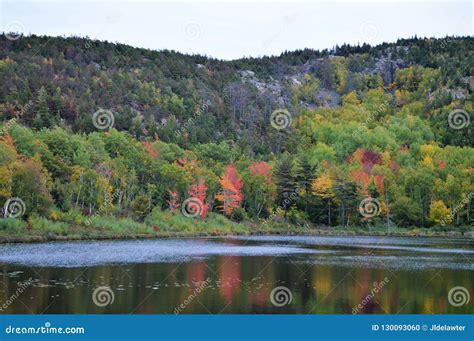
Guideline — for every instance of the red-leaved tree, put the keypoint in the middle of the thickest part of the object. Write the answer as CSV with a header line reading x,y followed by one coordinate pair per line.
x,y
198,191
173,202
261,168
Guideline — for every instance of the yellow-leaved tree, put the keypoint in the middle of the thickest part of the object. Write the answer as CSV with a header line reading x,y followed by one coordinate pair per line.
x,y
322,187
439,213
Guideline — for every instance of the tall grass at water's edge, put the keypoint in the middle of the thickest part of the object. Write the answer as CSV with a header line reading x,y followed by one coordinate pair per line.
x,y
73,225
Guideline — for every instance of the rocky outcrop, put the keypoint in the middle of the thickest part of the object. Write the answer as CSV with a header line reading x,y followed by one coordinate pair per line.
x,y
386,69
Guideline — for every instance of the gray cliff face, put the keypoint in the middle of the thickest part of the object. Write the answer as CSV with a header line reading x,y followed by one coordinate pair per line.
x,y
277,90
386,69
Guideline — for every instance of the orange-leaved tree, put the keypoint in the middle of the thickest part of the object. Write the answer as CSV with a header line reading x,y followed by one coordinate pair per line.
x,y
231,195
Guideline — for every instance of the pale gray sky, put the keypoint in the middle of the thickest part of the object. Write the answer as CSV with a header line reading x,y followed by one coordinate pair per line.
x,y
229,29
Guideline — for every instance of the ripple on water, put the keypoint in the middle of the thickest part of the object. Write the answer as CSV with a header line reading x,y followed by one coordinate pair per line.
x,y
395,262
80,254
391,252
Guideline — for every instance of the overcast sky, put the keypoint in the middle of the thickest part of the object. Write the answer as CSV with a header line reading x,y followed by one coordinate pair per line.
x,y
230,30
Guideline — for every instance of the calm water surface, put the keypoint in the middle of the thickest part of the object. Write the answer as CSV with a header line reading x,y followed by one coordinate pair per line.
x,y
237,275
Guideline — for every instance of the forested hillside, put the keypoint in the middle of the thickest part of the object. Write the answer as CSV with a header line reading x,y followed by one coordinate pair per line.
x,y
355,135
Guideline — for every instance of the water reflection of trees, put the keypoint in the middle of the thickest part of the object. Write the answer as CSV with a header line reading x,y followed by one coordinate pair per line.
x,y
236,285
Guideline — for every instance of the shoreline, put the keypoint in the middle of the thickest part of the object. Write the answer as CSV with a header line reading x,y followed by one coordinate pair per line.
x,y
168,235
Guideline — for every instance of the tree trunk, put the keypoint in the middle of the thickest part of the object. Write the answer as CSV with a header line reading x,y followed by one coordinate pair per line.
x,y
329,211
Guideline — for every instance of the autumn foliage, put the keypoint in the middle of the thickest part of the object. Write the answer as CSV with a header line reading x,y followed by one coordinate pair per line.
x,y
148,146
261,168
231,195
198,191
173,202
358,133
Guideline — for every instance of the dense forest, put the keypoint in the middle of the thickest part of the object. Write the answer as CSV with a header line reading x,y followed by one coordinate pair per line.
x,y
354,135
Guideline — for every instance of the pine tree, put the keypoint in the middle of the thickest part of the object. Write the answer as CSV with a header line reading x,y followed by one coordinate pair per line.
x,y
42,118
284,180
304,173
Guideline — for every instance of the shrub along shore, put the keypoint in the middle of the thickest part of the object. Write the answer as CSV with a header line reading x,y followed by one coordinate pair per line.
x,y
167,225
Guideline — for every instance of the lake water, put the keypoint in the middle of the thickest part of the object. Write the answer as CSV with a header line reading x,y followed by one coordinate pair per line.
x,y
261,274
